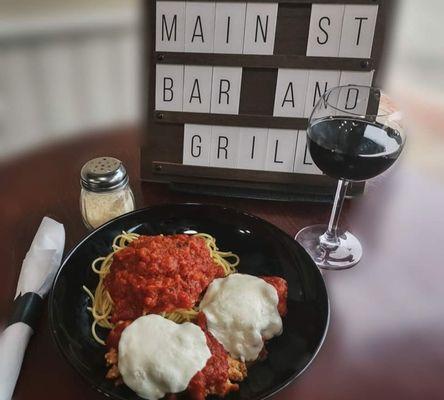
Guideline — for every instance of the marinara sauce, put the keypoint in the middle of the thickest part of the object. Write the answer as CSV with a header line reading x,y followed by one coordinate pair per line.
x,y
154,274
214,375
281,287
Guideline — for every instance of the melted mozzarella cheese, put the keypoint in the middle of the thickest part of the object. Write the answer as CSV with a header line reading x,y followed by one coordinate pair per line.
x,y
158,356
241,313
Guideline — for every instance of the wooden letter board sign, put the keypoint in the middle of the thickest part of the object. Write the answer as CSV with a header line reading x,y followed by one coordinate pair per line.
x,y
231,84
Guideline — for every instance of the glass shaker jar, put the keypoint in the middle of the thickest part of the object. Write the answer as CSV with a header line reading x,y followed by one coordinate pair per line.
x,y
105,191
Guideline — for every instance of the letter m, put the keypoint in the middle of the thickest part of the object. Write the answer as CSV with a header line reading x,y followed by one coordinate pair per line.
x,y
169,32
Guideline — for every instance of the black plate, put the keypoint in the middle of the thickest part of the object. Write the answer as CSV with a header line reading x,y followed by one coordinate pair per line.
x,y
263,250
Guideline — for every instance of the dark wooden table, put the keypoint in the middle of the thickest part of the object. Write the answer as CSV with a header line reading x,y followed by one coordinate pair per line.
x,y
386,336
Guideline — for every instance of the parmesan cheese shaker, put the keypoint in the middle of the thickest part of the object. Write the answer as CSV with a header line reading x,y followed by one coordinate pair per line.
x,y
105,191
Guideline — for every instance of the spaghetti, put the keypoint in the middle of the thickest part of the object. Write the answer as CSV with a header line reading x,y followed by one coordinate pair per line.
x,y
102,303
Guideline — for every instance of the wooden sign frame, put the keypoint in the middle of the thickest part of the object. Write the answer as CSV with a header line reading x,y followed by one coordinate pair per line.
x,y
161,152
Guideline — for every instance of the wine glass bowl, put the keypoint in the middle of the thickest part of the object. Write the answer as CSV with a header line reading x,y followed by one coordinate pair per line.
x,y
354,134
359,152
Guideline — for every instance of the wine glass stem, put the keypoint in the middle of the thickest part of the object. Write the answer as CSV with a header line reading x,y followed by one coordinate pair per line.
x,y
330,237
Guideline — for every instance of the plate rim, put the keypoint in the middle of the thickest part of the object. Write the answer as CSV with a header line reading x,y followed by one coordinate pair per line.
x,y
97,387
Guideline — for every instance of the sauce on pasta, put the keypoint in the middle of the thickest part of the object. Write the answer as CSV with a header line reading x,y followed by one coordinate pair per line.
x,y
157,274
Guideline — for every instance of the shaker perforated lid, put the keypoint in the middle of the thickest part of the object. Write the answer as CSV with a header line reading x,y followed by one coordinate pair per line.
x,y
103,174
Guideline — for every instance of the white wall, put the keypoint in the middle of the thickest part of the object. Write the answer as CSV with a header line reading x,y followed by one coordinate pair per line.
x,y
66,71
415,76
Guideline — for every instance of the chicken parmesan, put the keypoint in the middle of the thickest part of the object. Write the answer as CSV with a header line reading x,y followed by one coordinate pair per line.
x,y
168,298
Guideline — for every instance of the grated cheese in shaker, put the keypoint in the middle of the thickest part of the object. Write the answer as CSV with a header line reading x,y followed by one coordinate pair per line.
x,y
105,191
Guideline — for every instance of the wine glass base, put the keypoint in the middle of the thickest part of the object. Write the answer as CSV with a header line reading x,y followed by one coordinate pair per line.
x,y
344,255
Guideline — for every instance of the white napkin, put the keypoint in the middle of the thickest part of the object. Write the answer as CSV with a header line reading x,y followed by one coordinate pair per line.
x,y
37,273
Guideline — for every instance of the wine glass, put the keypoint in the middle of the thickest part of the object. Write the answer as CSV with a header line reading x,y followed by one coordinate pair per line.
x,y
354,134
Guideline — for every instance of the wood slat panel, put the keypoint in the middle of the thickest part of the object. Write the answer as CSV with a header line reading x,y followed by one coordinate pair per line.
x,y
257,99
258,121
292,38
291,183
303,1
266,61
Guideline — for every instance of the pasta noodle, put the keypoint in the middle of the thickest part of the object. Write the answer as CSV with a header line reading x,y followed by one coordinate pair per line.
x,y
102,304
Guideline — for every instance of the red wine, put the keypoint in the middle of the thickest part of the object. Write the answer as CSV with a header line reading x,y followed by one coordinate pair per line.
x,y
353,149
